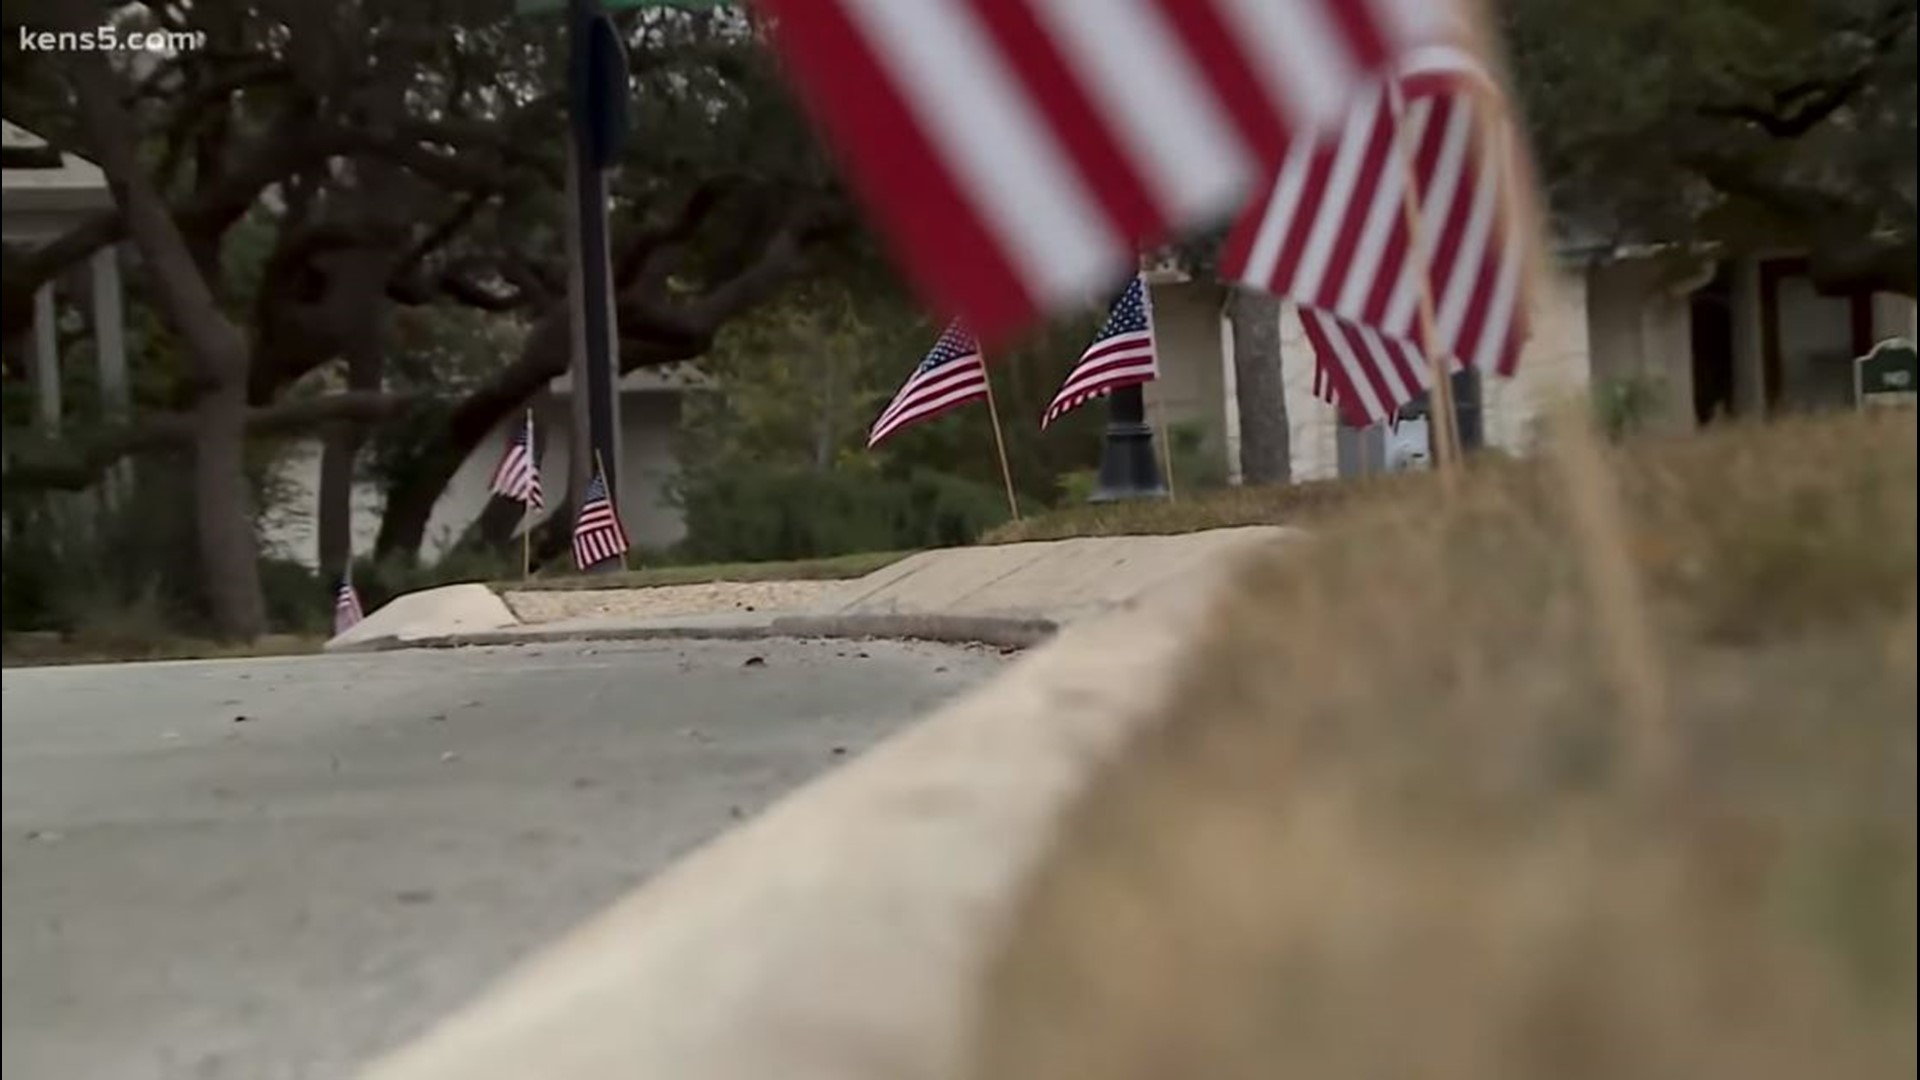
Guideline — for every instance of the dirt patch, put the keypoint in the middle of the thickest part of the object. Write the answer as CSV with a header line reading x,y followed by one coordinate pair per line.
x,y
710,598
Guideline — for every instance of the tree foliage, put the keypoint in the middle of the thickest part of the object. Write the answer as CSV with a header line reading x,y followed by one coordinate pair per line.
x,y
1749,124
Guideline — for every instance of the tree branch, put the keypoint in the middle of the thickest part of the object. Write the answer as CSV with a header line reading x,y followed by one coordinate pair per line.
x,y
77,464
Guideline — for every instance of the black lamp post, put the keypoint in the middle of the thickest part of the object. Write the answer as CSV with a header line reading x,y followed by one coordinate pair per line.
x,y
1128,467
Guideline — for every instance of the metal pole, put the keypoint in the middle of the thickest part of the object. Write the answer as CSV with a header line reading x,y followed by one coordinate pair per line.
x,y
1128,469
598,333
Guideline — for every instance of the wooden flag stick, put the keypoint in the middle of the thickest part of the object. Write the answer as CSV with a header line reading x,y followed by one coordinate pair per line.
x,y
526,506
1166,445
526,542
999,438
1443,426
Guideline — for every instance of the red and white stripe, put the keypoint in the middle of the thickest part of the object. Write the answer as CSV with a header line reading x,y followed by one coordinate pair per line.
x,y
1350,359
517,477
347,612
927,394
1019,152
1333,233
597,532
1108,364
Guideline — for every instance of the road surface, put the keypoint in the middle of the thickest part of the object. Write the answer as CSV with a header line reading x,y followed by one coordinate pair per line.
x,y
274,869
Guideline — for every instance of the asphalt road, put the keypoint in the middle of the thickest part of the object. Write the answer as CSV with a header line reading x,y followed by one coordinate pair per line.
x,y
269,869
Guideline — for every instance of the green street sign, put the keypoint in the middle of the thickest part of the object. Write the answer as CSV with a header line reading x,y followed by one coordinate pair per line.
x,y
1889,375
540,7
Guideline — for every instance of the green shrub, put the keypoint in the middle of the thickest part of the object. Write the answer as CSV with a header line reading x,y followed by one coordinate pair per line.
x,y
1077,487
795,514
1626,405
1195,468
298,602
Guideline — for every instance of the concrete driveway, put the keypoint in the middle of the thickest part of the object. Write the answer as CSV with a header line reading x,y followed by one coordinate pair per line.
x,y
255,870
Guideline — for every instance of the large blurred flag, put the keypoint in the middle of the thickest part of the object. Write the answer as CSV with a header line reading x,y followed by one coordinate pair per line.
x,y
1020,152
1332,233
953,374
1349,358
1122,354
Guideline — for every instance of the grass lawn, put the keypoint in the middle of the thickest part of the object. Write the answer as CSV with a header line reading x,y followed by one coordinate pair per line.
x,y
830,568
1291,504
40,650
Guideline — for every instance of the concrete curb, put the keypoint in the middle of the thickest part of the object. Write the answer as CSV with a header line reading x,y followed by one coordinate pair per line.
x,y
892,875
1006,633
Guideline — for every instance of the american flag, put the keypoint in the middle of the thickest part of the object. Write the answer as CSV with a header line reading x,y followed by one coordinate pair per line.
x,y
1344,351
1019,152
597,535
1332,233
518,475
1122,354
346,607
953,374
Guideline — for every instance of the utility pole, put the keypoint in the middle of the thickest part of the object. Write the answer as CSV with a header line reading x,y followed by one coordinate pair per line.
x,y
597,107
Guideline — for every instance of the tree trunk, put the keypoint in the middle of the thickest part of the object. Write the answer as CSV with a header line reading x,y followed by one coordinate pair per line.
x,y
826,422
335,509
410,501
229,558
223,515
341,451
1266,455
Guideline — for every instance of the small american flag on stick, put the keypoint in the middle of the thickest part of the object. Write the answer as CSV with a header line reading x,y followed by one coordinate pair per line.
x,y
346,607
1122,354
597,534
518,475
952,374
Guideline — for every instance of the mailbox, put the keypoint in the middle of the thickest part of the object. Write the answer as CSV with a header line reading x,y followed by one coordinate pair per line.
x,y
1889,375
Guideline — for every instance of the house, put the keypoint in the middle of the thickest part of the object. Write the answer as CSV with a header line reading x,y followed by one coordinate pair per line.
x,y
47,193
1697,339
650,409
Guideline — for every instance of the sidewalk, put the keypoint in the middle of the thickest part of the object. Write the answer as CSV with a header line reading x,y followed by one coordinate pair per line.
x,y
1009,595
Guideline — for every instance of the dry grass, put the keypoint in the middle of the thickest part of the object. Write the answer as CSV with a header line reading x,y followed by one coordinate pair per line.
x,y
1388,827
1293,504
828,568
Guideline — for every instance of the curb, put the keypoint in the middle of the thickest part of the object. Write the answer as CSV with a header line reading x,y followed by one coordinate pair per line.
x,y
1006,633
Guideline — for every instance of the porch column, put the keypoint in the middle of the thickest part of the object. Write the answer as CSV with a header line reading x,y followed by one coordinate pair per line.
x,y
1893,316
46,361
109,332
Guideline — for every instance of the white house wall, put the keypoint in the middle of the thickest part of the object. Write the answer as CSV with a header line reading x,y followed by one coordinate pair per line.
x,y
1640,329
648,423
1313,425
1894,316
1816,346
1554,367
